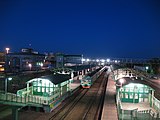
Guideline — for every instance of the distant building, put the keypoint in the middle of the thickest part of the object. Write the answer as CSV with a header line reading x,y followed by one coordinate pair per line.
x,y
27,59
67,60
59,57
2,61
71,60
60,60
50,61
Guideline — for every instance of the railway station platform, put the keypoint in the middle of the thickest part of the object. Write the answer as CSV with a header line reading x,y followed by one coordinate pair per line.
x,y
75,83
140,106
109,111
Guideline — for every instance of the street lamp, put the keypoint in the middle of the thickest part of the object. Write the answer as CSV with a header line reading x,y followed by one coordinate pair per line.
x,y
30,65
6,82
87,60
41,64
147,68
83,60
97,60
108,60
7,50
116,61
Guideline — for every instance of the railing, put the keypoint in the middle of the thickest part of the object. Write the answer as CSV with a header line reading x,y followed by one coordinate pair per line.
x,y
122,73
24,91
12,98
138,115
152,114
27,99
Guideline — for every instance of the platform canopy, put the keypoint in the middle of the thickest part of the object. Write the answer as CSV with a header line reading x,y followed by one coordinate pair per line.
x,y
81,67
55,79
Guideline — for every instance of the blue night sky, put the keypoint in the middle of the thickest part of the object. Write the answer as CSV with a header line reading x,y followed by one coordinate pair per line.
x,y
94,28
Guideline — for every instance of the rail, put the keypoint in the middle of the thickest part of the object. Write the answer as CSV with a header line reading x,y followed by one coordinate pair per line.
x,y
84,102
69,106
99,95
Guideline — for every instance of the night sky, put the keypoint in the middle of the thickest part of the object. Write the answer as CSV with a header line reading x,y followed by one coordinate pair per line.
x,y
94,28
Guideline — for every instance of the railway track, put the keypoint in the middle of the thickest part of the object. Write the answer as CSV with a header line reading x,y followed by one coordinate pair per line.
x,y
92,113
85,106
62,113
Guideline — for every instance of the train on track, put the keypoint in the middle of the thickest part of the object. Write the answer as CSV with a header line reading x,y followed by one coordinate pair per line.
x,y
86,82
89,79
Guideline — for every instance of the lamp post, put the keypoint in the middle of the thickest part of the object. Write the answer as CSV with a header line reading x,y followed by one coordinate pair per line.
x,y
41,65
30,66
7,50
6,83
147,68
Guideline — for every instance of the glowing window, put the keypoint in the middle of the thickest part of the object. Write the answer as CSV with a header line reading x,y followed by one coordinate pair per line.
x,y
126,95
146,90
127,89
140,95
141,90
131,96
43,89
39,89
121,95
131,90
136,96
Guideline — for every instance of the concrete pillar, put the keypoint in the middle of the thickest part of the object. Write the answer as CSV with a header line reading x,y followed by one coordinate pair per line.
x,y
27,87
152,98
117,74
37,109
77,73
14,113
46,108
122,113
83,72
72,75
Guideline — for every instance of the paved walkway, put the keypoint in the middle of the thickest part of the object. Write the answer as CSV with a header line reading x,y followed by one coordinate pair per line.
x,y
109,109
75,83
140,106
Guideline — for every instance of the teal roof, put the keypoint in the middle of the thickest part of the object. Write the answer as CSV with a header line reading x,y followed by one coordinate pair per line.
x,y
55,79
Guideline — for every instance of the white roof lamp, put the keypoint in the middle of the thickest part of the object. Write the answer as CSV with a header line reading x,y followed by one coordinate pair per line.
x,y
108,60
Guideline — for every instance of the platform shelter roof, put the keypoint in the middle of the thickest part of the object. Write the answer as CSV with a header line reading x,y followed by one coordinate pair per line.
x,y
55,79
81,67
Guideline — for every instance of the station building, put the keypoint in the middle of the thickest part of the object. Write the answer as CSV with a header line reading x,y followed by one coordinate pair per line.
x,y
60,60
137,101
50,85
135,93
2,61
50,90
27,59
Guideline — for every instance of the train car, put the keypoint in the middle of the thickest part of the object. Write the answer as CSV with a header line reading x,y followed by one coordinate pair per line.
x,y
86,82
